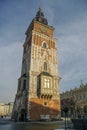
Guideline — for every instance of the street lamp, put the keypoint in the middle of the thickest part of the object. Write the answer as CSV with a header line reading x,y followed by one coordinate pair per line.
x,y
65,111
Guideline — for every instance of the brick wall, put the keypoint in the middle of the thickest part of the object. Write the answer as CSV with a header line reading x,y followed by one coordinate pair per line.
x,y
37,108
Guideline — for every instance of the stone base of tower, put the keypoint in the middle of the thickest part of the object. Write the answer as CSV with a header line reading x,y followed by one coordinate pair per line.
x,y
41,109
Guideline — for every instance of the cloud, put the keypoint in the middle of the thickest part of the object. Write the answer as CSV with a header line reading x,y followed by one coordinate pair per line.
x,y
72,48
10,62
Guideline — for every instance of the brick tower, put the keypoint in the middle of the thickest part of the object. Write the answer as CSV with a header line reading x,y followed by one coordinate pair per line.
x,y
38,87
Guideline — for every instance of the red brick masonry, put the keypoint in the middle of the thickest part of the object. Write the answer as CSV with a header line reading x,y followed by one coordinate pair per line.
x,y
38,108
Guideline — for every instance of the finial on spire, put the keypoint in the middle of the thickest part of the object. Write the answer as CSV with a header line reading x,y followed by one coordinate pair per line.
x,y
40,9
39,13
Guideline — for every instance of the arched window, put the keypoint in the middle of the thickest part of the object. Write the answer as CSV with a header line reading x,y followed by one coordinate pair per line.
x,y
44,45
45,66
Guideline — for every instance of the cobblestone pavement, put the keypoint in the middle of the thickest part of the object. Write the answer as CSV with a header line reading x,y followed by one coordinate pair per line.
x,y
54,125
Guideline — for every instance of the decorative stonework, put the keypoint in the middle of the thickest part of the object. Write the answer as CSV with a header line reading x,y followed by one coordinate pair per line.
x,y
78,96
38,87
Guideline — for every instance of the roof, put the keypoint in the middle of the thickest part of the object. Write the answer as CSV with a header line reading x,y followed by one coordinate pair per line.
x,y
40,17
46,74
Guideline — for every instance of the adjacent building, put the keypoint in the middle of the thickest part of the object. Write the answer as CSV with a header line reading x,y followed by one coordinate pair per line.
x,y
38,95
78,96
6,109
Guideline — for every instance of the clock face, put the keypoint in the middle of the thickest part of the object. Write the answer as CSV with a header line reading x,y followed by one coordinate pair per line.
x,y
43,29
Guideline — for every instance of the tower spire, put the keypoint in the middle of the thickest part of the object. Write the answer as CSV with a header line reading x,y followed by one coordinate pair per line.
x,y
40,10
40,17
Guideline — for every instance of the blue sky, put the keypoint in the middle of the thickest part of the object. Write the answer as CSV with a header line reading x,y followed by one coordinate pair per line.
x,y
68,17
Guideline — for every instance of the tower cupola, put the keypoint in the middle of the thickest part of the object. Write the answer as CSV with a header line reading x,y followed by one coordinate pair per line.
x,y
40,17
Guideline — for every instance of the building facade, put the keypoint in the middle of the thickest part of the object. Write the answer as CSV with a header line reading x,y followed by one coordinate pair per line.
x,y
38,94
6,109
79,98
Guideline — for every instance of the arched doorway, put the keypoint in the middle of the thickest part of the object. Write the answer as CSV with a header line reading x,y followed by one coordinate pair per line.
x,y
23,115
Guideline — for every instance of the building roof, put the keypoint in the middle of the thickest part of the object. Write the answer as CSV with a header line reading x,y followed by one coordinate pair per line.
x,y
46,74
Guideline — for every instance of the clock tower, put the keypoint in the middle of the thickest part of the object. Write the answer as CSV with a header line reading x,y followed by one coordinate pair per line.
x,y
38,94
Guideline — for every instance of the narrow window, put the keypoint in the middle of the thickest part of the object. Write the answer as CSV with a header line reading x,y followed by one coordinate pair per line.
x,y
44,45
24,85
45,66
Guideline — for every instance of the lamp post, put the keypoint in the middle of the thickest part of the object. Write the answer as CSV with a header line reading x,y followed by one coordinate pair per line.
x,y
65,111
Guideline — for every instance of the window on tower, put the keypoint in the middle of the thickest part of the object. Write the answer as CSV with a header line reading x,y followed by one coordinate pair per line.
x,y
44,45
24,85
45,66
46,83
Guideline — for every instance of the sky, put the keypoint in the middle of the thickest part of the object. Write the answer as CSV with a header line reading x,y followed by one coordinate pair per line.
x,y
68,17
